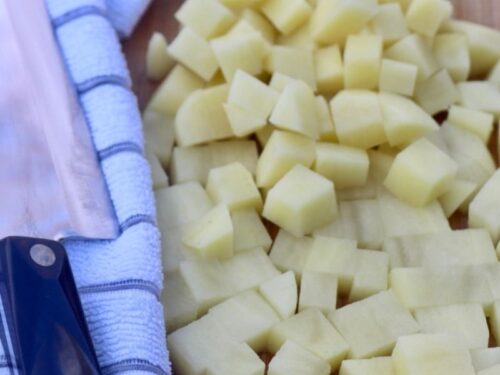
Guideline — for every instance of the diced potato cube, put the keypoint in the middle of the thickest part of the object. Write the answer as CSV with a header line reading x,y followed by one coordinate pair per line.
x,y
281,293
402,3
159,135
249,231
286,15
413,49
279,81
158,175
259,22
373,366
390,23
478,122
421,173
293,359
264,134
431,354
201,117
362,57
301,202
327,127
371,274
358,118
300,37
282,152
368,191
437,93
318,290
460,193
380,164
297,110
172,92
233,185
243,51
451,52
494,370
398,77
194,52
239,4
345,166
259,318
290,253
426,16
485,358
158,61
238,359
467,322
484,210
311,330
481,96
334,21
208,18
295,62
329,70
494,75
372,326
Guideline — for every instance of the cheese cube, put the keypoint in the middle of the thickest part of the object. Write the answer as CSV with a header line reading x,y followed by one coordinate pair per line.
x,y
195,53
345,166
233,185
243,51
390,23
318,291
290,253
485,358
398,77
431,354
158,61
293,359
452,53
421,173
286,15
372,326
159,135
237,359
208,18
358,118
329,70
334,21
172,92
311,330
484,210
437,93
249,231
158,175
297,110
373,366
413,49
301,202
281,293
426,16
458,196
481,96
466,322
295,62
477,122
362,57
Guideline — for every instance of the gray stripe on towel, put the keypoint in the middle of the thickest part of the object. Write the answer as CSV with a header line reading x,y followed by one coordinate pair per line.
x,y
76,13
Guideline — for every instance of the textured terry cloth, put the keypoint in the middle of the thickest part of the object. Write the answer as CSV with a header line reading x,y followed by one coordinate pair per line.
x,y
119,281
124,14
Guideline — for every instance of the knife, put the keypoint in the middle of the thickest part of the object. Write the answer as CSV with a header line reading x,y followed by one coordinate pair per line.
x,y
51,188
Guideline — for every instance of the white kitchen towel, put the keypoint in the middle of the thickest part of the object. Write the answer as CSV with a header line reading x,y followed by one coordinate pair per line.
x,y
119,281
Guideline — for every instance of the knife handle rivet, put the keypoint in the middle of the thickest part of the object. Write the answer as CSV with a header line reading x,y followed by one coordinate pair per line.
x,y
42,255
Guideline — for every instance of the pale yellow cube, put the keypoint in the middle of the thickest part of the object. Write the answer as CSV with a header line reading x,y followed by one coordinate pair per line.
x,y
372,326
293,359
208,18
249,231
158,60
477,122
495,321
327,127
402,3
282,152
295,62
234,186
158,176
244,51
483,359
334,21
371,274
296,110
264,134
301,202
452,53
318,290
358,118
239,4
259,22
362,57
390,23
421,173
286,15
281,293
437,93
398,77
413,49
431,354
212,235
484,210
290,253
426,16
481,96
301,37
494,75
493,370
345,166
311,330
279,81
460,193
329,70
373,366
237,359
201,117
159,135
195,53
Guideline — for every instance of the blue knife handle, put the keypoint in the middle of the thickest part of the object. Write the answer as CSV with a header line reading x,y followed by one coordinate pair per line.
x,y
46,331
